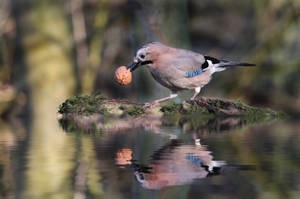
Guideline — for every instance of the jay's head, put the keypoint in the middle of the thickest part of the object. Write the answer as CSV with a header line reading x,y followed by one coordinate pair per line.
x,y
146,55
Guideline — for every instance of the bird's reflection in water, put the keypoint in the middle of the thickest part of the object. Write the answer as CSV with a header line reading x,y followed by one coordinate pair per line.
x,y
174,164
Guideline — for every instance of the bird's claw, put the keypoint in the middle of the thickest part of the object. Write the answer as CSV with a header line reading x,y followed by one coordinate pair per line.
x,y
150,104
193,98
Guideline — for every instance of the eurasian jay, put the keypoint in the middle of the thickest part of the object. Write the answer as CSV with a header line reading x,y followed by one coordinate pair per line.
x,y
179,69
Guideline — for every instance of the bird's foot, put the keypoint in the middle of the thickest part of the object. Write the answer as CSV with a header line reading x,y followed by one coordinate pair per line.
x,y
194,97
150,104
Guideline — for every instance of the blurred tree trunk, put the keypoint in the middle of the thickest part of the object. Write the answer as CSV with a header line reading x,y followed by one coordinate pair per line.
x,y
95,27
87,21
6,42
87,178
45,40
8,141
79,38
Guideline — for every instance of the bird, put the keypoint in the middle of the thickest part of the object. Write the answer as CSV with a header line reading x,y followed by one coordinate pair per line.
x,y
178,69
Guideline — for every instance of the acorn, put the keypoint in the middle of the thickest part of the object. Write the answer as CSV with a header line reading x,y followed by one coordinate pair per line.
x,y
123,75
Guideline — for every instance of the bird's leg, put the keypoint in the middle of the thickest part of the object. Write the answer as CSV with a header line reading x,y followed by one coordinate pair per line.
x,y
196,139
197,91
172,95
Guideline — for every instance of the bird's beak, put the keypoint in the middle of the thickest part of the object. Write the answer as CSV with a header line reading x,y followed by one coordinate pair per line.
x,y
133,65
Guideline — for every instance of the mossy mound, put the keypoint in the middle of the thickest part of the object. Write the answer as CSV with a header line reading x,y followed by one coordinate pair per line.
x,y
97,112
82,104
86,105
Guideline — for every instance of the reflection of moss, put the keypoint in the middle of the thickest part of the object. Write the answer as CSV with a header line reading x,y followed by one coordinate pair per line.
x,y
67,126
171,120
198,120
70,127
83,104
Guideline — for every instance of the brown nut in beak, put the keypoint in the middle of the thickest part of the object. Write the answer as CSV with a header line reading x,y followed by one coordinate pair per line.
x,y
123,75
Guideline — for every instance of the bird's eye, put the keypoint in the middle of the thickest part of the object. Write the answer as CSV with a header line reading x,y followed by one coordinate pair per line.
x,y
142,56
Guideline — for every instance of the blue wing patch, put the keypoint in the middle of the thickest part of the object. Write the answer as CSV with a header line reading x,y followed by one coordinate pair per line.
x,y
194,73
194,159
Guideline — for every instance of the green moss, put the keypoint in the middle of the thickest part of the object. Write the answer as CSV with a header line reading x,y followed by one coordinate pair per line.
x,y
171,108
189,114
89,108
82,104
132,110
185,108
135,110
217,104
106,111
195,108
255,114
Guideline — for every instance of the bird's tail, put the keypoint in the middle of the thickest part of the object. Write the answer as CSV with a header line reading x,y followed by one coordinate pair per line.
x,y
226,64
220,65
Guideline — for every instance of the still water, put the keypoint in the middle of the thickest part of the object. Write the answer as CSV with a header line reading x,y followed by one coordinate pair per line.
x,y
260,161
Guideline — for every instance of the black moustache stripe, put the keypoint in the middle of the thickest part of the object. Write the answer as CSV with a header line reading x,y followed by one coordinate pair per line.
x,y
146,62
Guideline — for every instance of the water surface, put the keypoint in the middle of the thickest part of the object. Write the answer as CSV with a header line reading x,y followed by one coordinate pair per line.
x,y
251,162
